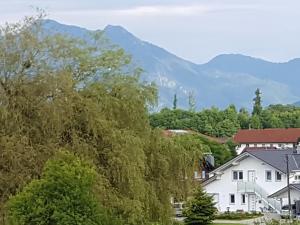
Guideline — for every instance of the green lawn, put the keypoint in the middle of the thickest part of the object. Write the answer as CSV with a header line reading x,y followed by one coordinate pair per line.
x,y
227,224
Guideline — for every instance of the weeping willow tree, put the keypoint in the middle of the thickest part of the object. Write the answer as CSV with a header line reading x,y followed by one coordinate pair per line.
x,y
58,92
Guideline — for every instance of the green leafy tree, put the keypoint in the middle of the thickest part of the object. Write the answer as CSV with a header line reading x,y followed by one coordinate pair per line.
x,y
175,102
244,118
64,195
87,98
200,210
257,107
190,149
255,122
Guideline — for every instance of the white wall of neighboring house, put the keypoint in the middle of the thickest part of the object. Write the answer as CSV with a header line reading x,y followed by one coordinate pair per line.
x,y
242,146
223,187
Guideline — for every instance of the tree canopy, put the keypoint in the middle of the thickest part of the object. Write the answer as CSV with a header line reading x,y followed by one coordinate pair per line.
x,y
64,195
57,92
225,123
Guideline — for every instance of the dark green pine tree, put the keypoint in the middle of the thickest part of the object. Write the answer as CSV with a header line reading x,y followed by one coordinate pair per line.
x,y
175,102
200,209
257,107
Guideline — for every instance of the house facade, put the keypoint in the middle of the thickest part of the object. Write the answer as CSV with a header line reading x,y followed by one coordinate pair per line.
x,y
267,138
247,182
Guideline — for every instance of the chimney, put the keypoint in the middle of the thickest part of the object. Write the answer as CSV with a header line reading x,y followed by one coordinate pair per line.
x,y
210,159
298,149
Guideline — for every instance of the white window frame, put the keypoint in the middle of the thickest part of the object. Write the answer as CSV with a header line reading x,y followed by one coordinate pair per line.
x,y
266,175
238,175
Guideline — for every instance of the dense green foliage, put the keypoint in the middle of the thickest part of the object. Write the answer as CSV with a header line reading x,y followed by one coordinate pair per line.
x,y
61,93
64,195
221,152
200,209
209,121
225,123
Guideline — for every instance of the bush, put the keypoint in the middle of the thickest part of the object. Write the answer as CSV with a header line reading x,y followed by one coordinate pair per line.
x,y
200,210
63,196
238,215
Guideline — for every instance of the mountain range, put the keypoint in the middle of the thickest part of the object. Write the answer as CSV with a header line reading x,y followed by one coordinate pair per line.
x,y
226,79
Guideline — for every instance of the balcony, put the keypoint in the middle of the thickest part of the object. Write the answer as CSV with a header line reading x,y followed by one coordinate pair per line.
x,y
246,187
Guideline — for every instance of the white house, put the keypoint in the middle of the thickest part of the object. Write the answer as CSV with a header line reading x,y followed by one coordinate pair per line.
x,y
267,138
247,182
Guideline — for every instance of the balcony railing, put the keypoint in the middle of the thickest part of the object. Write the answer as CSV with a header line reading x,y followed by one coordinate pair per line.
x,y
252,187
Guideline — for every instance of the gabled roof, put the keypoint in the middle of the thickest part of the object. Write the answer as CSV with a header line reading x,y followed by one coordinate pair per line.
x,y
283,190
274,158
276,135
277,158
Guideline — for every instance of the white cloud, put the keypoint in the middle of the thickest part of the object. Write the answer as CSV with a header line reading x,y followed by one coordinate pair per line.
x,y
155,10
162,10
194,29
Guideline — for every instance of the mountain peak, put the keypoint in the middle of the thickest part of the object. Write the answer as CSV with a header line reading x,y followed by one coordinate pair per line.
x,y
115,28
115,32
234,58
226,79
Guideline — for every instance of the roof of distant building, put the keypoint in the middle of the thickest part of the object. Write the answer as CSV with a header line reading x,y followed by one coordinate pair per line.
x,y
285,189
172,132
276,135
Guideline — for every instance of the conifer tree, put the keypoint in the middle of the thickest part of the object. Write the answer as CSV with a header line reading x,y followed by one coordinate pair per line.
x,y
175,102
200,209
257,107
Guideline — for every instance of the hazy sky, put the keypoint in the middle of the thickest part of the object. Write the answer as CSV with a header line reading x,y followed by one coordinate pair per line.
x,y
195,30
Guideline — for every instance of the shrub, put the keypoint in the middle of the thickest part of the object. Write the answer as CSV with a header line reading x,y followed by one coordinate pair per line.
x,y
238,215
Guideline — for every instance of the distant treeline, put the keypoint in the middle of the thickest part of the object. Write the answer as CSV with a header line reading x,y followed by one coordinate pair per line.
x,y
225,123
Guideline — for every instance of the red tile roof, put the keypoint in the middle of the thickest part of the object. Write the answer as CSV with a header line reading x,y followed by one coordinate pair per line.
x,y
276,135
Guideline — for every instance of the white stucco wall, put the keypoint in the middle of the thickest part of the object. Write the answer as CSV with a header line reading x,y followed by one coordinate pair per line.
x,y
225,186
241,147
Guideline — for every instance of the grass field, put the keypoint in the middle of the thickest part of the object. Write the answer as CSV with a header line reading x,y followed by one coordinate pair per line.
x,y
227,224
